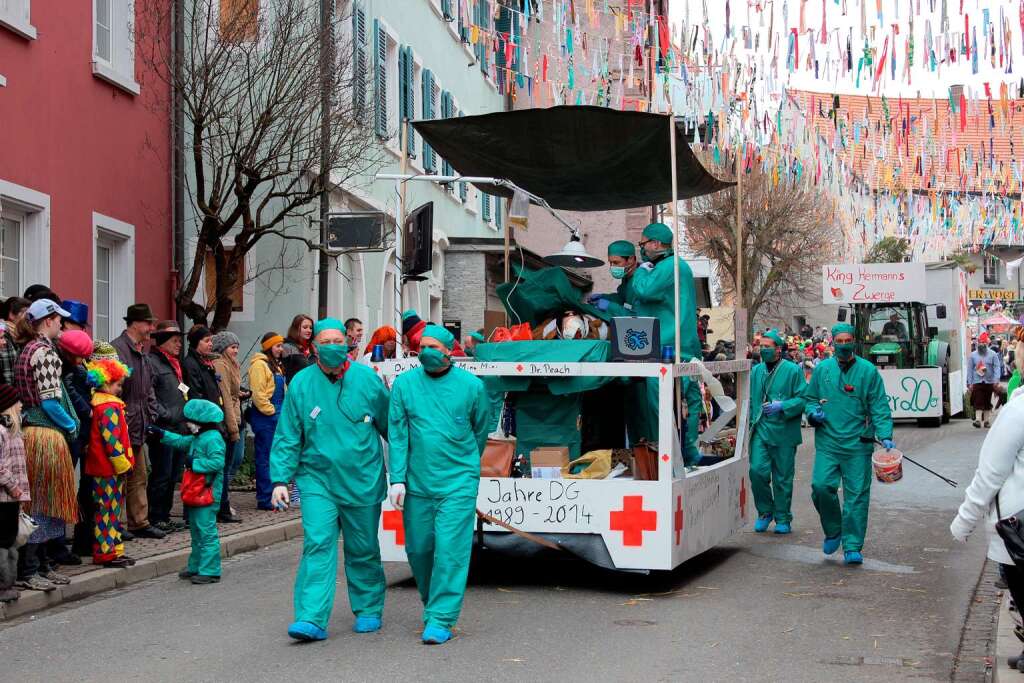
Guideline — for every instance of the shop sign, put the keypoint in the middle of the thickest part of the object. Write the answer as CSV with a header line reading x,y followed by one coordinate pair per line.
x,y
992,294
857,283
914,393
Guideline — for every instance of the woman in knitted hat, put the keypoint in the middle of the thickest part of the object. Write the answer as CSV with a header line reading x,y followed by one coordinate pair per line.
x,y
14,488
225,363
267,382
200,376
108,461
50,424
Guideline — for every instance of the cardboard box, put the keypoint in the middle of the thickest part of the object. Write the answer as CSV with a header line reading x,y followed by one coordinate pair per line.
x,y
547,462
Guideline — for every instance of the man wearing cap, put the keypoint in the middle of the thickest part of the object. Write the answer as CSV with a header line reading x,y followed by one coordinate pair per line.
x,y
140,405
439,421
622,263
328,440
171,392
653,286
776,406
847,405
984,370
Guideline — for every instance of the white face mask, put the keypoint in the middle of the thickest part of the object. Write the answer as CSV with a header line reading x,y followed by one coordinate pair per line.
x,y
573,327
192,427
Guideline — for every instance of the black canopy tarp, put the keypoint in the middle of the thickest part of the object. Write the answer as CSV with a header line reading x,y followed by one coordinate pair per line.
x,y
577,158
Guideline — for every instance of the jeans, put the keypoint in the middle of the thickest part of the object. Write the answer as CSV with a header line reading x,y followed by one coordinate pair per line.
x,y
167,465
32,560
232,461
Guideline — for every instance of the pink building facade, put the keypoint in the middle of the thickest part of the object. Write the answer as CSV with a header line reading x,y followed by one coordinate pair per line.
x,y
85,157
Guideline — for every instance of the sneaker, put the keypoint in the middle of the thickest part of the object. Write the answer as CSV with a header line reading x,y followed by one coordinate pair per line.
x,y
67,558
986,425
149,532
783,528
55,578
762,523
178,526
202,579
164,527
366,624
130,560
853,557
435,635
830,545
118,563
229,518
185,574
9,595
306,631
977,425
35,583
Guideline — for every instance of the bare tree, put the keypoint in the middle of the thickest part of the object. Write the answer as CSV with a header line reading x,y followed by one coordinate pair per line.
x,y
788,235
250,82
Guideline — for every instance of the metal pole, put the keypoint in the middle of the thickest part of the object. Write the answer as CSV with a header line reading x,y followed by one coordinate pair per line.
x,y
508,268
403,132
326,70
739,231
675,222
178,156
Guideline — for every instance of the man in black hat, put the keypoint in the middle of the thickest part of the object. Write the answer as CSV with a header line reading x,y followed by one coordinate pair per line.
x,y
140,405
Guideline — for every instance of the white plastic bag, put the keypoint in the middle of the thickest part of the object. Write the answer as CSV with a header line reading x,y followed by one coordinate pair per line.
x,y
26,527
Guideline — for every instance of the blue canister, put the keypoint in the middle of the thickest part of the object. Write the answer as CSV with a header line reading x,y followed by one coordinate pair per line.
x,y
377,355
668,354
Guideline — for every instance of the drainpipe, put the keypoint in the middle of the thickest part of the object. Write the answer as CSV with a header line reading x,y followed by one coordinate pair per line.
x,y
326,72
177,161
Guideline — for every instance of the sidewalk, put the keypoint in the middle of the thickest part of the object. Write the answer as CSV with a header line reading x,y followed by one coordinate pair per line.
x,y
1007,644
164,556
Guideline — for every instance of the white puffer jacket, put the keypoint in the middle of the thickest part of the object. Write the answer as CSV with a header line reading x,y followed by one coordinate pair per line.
x,y
1000,471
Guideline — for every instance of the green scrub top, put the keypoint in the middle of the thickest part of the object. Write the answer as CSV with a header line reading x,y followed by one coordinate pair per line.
x,y
786,383
328,435
438,428
206,452
653,293
861,411
620,304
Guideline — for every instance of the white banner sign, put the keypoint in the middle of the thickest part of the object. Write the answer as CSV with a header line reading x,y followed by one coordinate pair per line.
x,y
914,393
872,283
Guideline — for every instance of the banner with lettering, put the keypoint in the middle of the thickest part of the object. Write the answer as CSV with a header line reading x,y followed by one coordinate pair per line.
x,y
914,393
873,283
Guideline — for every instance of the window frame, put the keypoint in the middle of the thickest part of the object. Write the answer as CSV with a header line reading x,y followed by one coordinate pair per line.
x,y
34,208
119,237
17,218
21,26
119,70
988,260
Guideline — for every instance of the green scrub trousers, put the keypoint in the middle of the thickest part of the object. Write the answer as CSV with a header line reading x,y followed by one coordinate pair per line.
x,y
853,469
771,478
202,526
439,540
317,577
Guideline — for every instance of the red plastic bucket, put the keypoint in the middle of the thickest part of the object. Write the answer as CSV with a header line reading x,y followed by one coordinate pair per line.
x,y
888,465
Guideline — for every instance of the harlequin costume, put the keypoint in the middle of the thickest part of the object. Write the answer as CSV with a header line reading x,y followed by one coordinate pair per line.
x,y
108,459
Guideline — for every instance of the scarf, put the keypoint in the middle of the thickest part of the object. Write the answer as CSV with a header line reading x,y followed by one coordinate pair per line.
x,y
173,360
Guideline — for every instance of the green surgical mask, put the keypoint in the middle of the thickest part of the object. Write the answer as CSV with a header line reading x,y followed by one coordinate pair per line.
x,y
845,351
332,356
768,355
433,360
618,272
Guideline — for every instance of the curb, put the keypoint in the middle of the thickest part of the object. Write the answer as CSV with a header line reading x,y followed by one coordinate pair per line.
x,y
101,580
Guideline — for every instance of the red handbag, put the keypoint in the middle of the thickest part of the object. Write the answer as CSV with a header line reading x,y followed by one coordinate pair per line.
x,y
195,491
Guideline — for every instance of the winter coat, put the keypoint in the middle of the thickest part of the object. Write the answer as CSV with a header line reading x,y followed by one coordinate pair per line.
x,y
201,379
137,394
231,392
261,383
170,399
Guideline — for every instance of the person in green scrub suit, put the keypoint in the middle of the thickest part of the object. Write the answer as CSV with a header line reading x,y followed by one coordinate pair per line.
x,y
438,426
328,439
622,263
653,289
776,406
847,405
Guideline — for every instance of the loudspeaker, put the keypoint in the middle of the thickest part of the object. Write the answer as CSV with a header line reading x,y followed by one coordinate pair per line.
x,y
418,241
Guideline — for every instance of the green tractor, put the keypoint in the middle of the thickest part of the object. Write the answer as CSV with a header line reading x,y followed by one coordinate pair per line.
x,y
896,336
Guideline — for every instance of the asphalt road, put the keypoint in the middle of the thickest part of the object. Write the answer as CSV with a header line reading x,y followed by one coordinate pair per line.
x,y
758,607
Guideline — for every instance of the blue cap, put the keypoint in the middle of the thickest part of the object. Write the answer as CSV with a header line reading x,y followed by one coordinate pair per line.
x,y
78,310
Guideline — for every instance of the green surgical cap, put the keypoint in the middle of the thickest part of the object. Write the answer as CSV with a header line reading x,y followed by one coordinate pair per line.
x,y
842,328
659,232
327,324
621,248
774,335
440,334
478,336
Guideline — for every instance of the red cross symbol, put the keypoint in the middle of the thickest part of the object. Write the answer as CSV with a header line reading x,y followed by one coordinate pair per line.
x,y
632,520
678,519
519,368
393,522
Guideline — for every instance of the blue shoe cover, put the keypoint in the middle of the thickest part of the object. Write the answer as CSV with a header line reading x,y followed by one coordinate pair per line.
x,y
783,528
853,557
435,635
831,545
306,631
762,523
366,624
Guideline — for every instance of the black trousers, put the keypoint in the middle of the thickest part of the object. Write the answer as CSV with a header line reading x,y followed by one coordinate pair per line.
x,y
9,524
167,465
1014,577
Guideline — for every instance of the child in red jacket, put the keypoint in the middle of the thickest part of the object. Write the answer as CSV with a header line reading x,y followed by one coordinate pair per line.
x,y
108,459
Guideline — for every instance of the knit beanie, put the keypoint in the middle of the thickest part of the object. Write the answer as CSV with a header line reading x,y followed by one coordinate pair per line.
x,y
223,340
101,350
410,319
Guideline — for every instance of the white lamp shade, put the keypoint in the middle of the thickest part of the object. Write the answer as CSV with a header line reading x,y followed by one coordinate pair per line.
x,y
574,255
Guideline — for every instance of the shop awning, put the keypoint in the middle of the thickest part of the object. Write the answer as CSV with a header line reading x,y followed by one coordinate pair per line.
x,y
578,158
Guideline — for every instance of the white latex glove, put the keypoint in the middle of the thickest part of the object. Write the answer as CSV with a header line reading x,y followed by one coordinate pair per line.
x,y
396,494
279,498
960,529
646,265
